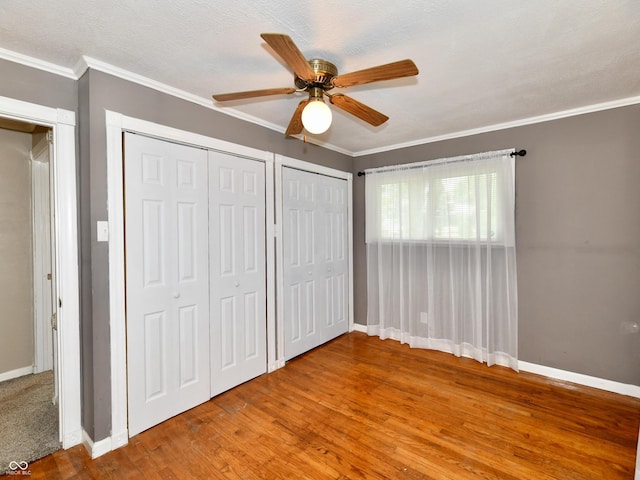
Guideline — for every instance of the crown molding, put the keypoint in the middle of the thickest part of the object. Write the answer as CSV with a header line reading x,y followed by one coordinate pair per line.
x,y
86,62
623,102
80,67
37,63
89,62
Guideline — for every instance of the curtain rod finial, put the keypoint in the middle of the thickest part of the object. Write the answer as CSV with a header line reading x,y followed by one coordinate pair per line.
x,y
518,153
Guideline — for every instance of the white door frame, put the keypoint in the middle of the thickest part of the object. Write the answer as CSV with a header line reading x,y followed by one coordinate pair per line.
x,y
280,162
65,255
116,123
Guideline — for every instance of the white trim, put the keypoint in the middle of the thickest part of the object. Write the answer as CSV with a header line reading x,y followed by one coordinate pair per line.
x,y
581,379
89,62
36,63
272,358
96,449
65,255
280,162
117,326
18,372
67,278
357,327
112,70
280,362
623,102
311,167
86,62
116,123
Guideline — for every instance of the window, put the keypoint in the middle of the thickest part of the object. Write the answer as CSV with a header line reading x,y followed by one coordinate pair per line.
x,y
457,201
441,256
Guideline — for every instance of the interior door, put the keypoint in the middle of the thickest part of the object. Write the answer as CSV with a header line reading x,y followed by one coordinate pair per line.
x,y
42,212
52,292
238,270
167,280
315,259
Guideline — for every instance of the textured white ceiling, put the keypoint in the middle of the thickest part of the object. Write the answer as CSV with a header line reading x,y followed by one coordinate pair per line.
x,y
482,63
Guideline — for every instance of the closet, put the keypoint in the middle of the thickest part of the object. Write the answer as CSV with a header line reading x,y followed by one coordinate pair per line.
x,y
315,259
202,257
195,275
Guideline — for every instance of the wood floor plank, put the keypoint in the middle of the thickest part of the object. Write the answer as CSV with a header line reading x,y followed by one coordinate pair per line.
x,y
360,407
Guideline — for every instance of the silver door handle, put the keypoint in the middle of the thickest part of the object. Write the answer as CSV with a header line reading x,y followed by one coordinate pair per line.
x,y
176,294
237,283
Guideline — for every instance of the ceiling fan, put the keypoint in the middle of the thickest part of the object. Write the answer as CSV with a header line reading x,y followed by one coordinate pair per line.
x,y
317,77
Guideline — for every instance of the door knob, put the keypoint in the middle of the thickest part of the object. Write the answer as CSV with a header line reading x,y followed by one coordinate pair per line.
x,y
237,283
176,294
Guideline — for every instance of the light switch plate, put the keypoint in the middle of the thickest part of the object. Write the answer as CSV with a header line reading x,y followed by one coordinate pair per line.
x,y
103,231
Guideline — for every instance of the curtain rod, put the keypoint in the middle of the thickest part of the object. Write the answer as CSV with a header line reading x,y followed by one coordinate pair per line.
x,y
517,153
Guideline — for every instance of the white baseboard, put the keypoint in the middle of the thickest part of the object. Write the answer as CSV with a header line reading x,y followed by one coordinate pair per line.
x,y
120,439
360,328
273,366
18,372
71,439
96,449
579,378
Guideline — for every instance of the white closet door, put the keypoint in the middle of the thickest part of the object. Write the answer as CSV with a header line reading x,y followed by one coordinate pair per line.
x,y
238,270
167,287
315,259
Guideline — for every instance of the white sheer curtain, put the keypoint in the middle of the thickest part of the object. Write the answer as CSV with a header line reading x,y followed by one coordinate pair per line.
x,y
441,260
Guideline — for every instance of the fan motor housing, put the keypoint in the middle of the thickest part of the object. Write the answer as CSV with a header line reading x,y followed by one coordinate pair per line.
x,y
324,71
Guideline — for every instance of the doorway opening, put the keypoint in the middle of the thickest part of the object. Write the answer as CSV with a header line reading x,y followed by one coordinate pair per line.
x,y
59,125
28,350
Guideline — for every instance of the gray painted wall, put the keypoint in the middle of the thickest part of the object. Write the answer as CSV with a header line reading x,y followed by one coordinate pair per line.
x,y
100,92
35,86
578,237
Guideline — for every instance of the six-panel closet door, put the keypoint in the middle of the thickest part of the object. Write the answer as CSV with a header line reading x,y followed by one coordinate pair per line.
x,y
238,270
315,259
196,276
167,279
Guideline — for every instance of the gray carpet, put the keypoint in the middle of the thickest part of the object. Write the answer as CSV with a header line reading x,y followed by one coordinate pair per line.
x,y
29,421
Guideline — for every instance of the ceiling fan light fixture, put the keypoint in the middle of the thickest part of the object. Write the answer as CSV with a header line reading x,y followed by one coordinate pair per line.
x,y
316,117
317,77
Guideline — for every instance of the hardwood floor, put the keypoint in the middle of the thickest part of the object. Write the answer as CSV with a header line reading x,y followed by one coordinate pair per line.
x,y
359,407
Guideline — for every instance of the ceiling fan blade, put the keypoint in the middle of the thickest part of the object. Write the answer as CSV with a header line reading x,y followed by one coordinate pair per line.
x,y
295,125
358,109
289,52
403,68
225,97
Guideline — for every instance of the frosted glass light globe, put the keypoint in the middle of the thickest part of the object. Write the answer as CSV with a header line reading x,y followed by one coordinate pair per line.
x,y
316,117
